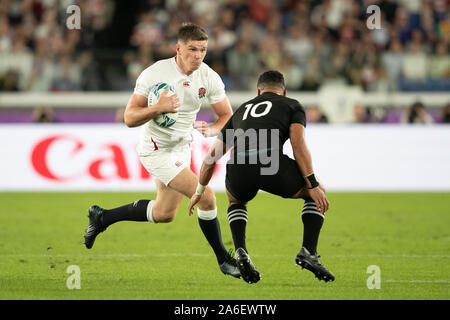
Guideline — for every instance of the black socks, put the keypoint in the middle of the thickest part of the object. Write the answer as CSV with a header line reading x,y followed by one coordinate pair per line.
x,y
136,211
312,224
237,218
211,230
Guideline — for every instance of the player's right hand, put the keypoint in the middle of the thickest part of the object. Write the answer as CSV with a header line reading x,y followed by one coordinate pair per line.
x,y
167,104
194,200
320,199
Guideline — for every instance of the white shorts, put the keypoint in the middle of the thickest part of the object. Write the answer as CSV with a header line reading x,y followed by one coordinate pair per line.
x,y
166,164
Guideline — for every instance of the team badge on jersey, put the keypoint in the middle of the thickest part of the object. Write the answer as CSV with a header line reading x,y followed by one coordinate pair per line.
x,y
201,92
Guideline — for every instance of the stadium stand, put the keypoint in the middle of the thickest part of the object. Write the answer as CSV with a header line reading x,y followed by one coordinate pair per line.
x,y
316,44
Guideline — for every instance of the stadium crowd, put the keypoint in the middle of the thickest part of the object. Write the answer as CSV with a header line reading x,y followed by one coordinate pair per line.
x,y
314,43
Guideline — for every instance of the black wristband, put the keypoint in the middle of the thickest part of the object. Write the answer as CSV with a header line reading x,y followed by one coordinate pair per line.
x,y
312,179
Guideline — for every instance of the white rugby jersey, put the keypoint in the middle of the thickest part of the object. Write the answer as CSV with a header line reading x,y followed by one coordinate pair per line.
x,y
204,85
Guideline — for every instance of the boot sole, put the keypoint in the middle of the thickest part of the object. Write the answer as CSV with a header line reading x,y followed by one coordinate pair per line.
x,y
248,272
304,264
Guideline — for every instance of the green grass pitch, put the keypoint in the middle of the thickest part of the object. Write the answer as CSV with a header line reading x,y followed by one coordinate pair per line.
x,y
406,235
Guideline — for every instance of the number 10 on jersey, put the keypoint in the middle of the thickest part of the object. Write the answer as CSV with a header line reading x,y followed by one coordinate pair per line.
x,y
250,108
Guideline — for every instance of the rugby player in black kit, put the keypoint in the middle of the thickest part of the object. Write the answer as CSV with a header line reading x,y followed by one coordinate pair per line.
x,y
257,131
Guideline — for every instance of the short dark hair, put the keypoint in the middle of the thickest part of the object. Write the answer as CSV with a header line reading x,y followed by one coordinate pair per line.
x,y
271,79
189,31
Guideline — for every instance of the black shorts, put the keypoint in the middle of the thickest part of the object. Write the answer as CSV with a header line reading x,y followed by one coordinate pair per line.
x,y
244,180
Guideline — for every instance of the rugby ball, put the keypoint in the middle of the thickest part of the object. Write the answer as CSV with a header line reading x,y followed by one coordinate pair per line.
x,y
164,119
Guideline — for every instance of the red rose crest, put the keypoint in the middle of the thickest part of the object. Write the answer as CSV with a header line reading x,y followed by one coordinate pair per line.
x,y
201,92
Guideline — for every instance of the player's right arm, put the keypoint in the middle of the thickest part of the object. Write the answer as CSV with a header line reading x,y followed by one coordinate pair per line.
x,y
215,153
303,158
137,111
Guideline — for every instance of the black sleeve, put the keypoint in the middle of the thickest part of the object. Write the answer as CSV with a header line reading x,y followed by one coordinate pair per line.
x,y
223,133
298,114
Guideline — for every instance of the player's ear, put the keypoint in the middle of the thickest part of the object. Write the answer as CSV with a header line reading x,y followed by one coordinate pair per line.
x,y
259,92
177,48
284,93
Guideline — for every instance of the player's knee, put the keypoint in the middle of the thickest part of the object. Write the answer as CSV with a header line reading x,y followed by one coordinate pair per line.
x,y
167,219
301,194
235,202
165,216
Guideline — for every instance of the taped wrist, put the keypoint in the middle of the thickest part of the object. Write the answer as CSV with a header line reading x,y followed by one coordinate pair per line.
x,y
200,189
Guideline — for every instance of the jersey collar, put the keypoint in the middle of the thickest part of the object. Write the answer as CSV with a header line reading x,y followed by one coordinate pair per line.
x,y
181,71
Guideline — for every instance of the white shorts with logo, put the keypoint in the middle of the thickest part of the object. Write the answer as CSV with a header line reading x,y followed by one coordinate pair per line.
x,y
166,164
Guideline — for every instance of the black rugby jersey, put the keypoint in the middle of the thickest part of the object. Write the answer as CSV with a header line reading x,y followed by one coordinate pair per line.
x,y
267,118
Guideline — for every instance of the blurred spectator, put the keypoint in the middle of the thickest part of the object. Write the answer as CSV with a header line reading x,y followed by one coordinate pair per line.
x,y
381,37
270,53
335,71
312,79
416,114
331,11
415,61
43,115
261,10
148,30
393,60
439,65
322,50
5,34
90,78
250,31
220,40
67,75
298,44
19,59
293,74
9,81
382,83
43,70
362,114
315,115
321,41
242,62
445,117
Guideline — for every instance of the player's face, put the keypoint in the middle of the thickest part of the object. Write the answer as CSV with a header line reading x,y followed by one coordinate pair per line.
x,y
191,54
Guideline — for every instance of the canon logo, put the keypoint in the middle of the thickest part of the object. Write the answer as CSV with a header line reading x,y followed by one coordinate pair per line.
x,y
66,158
41,163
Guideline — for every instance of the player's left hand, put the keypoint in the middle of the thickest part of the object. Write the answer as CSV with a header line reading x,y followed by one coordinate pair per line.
x,y
202,127
319,197
194,200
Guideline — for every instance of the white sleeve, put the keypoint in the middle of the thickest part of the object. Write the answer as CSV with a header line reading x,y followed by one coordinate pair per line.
x,y
143,83
216,88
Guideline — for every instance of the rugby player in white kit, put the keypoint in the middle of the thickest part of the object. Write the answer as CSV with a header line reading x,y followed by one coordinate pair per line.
x,y
165,151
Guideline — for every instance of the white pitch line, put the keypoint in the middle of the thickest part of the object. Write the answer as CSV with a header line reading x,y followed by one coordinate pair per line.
x,y
106,255
175,254
417,281
412,256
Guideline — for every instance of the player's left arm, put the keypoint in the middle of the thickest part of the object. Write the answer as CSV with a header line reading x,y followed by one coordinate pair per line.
x,y
302,156
215,153
223,111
